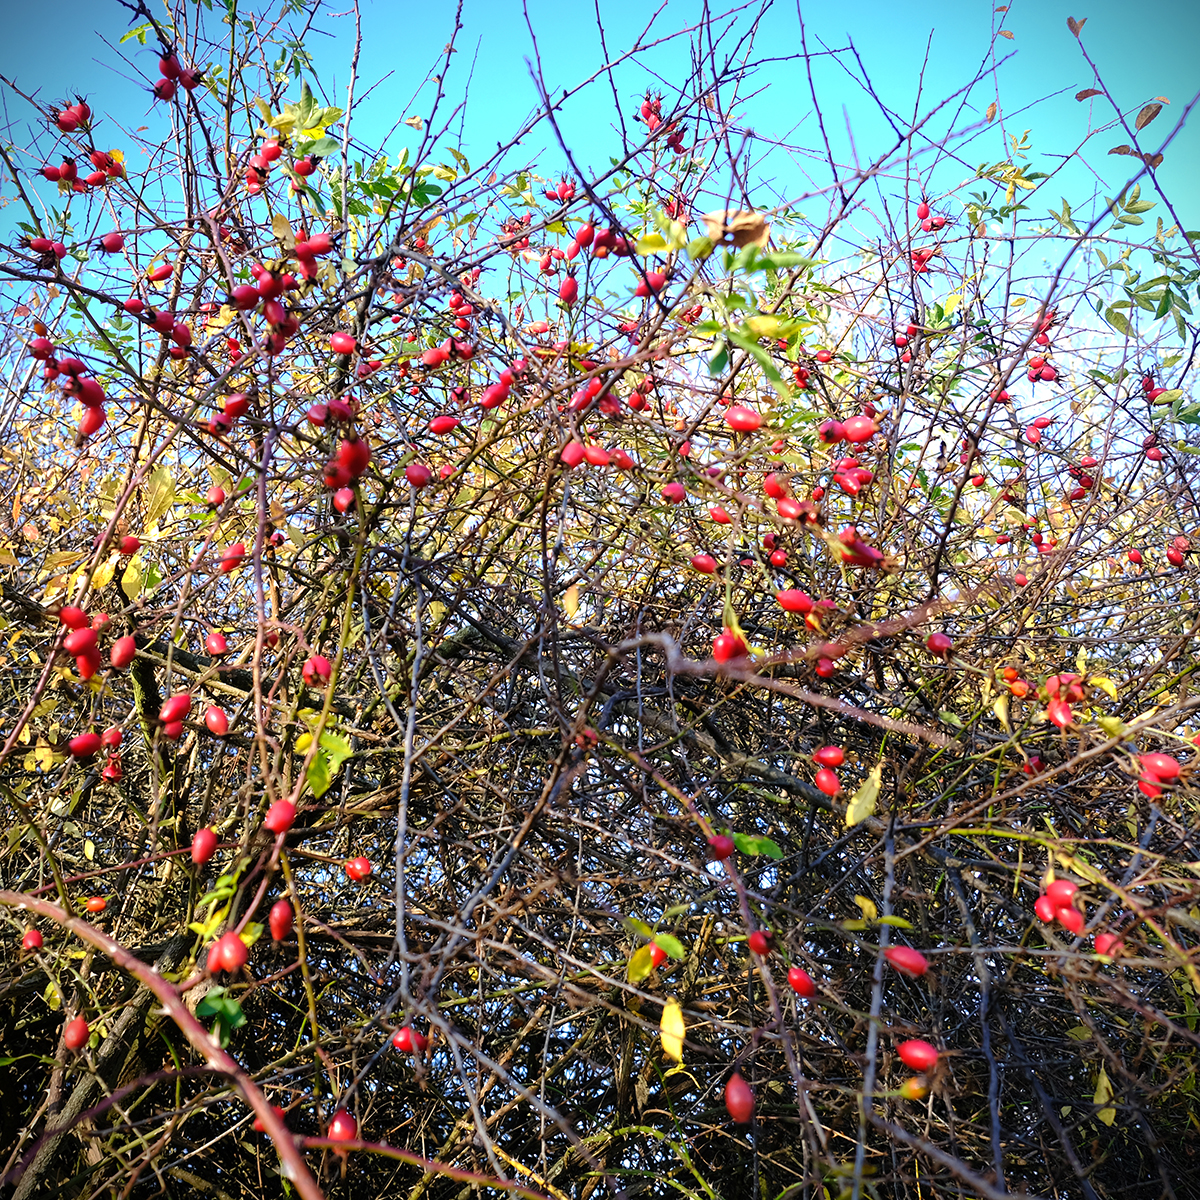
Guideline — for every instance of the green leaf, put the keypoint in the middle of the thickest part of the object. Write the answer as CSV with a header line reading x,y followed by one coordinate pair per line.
x,y
1117,321
638,927
898,922
719,361
319,774
780,260
672,945
702,247
756,845
336,748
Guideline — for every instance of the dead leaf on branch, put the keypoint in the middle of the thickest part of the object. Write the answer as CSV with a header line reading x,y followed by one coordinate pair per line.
x,y
1076,26
1147,115
742,227
1087,93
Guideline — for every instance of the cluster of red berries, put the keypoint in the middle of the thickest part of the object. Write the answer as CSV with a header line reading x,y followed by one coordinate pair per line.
x,y
173,75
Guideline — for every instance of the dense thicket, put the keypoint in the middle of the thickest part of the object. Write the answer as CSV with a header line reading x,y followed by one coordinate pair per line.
x,y
529,526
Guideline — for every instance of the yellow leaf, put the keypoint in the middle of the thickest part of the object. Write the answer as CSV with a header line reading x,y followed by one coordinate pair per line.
x,y
1000,708
1104,1093
89,849
303,742
862,805
133,579
281,227
571,600
950,307
415,122
104,572
869,911
1105,684
161,495
640,964
671,1029
59,559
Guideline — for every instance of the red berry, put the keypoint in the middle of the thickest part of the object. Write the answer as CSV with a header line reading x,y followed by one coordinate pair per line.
x,y
85,745
1061,892
657,955
316,671
801,982
175,708
939,644
907,960
721,846
1044,907
760,942
919,1055
828,782
216,720
358,868
343,1127
794,601
280,816
216,645
227,953
123,652
354,455
342,343
204,846
96,904
1071,919
830,756
739,1099
75,1034
407,1039
72,617
742,419
1162,766
259,1127
704,563
233,557
33,940
281,920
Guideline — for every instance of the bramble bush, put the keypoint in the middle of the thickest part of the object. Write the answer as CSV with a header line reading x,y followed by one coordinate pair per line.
x,y
638,670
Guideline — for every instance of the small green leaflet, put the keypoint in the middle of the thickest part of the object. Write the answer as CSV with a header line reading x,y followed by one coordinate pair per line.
x,y
228,1013
755,845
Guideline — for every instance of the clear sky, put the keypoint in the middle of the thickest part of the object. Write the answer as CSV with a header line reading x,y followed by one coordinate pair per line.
x,y
1143,51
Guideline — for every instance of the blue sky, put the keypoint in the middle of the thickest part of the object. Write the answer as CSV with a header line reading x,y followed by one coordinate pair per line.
x,y
1142,52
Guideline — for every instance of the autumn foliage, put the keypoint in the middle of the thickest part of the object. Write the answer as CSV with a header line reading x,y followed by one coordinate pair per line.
x,y
629,671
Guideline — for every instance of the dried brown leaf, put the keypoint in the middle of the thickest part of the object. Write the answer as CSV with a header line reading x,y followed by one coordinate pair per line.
x,y
742,227
1147,115
1007,33
1075,26
1088,93
991,111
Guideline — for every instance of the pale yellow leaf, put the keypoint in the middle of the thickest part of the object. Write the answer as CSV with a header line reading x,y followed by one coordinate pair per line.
x,y
862,805
571,600
869,911
415,122
671,1029
1104,1093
